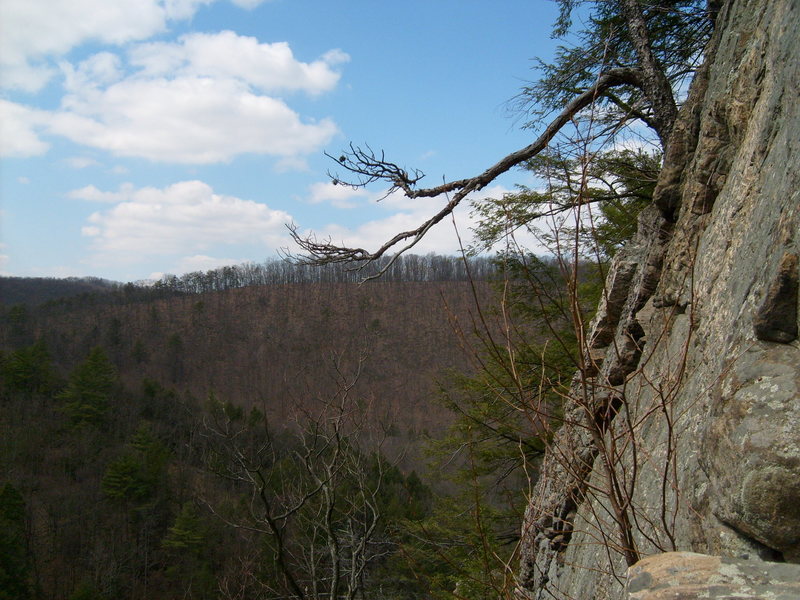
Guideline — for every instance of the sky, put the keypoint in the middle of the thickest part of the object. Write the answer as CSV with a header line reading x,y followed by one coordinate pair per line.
x,y
142,137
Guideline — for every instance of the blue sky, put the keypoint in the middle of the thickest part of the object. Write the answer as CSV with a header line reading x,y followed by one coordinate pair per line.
x,y
141,137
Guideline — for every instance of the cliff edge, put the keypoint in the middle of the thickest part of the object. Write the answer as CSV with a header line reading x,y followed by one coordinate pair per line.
x,y
683,432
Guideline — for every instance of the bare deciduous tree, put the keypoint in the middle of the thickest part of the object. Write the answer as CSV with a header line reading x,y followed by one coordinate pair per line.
x,y
313,494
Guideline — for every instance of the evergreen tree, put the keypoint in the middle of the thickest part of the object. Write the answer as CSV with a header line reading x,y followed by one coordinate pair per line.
x,y
188,533
138,474
186,544
618,184
89,390
659,41
463,548
29,370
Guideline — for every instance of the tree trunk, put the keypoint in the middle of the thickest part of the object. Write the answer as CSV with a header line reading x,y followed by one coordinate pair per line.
x,y
655,84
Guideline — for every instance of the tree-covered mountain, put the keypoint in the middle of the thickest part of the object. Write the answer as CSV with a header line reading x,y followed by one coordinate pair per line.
x,y
260,340
37,290
127,414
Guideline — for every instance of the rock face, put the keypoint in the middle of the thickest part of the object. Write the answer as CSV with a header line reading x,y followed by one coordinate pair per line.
x,y
684,432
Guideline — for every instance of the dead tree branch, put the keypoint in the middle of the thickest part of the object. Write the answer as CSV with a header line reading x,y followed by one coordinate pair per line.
x,y
367,167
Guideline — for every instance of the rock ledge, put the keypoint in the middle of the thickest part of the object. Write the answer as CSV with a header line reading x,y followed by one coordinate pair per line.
x,y
690,576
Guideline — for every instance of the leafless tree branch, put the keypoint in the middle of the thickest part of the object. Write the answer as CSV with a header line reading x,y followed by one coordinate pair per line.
x,y
368,167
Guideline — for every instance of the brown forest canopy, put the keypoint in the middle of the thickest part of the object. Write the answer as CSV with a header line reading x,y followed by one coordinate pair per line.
x,y
431,267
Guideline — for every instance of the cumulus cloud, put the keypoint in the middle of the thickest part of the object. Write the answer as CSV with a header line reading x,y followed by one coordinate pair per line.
x,y
186,218
340,196
408,214
204,99
193,120
201,262
97,70
32,31
20,128
91,193
80,162
263,66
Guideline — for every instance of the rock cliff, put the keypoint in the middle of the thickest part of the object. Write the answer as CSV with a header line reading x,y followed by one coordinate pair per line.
x,y
684,433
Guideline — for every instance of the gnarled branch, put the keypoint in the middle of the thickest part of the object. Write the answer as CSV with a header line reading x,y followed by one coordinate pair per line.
x,y
369,168
365,166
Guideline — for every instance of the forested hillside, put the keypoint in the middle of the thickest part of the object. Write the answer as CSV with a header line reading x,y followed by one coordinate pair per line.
x,y
128,414
269,346
37,290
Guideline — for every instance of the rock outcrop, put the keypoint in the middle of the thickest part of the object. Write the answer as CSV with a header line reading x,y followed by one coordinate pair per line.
x,y
684,433
691,576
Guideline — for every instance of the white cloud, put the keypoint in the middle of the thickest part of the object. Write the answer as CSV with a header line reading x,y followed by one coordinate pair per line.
x,y
428,154
80,162
189,120
637,143
202,99
340,196
31,31
201,262
91,231
23,180
194,102
186,219
90,193
441,239
183,9
408,214
226,55
97,70
248,4
58,271
19,130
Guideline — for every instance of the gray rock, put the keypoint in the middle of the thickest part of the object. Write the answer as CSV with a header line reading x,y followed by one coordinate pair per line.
x,y
751,447
691,576
687,428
